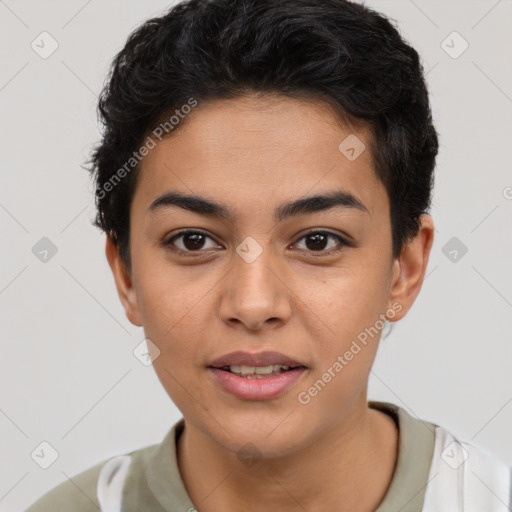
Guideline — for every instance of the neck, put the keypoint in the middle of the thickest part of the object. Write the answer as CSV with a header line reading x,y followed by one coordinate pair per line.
x,y
349,468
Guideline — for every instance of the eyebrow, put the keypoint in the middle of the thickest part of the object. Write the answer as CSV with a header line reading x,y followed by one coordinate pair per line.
x,y
305,205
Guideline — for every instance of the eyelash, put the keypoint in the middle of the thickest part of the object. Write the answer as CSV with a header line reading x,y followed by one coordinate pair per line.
x,y
342,242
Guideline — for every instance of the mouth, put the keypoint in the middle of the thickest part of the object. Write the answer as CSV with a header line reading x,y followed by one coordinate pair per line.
x,y
240,361
258,372
259,376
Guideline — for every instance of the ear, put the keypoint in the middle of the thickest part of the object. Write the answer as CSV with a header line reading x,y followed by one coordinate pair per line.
x,y
409,269
123,280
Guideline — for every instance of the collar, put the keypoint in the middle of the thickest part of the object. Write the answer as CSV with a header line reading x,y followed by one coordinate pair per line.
x,y
405,493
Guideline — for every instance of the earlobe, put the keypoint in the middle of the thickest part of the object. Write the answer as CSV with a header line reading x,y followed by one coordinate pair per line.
x,y
410,267
123,281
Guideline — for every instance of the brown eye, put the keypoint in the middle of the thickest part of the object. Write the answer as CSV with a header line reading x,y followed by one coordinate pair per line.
x,y
317,241
194,241
191,241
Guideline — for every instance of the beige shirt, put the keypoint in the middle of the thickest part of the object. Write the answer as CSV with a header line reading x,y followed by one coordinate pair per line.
x,y
154,483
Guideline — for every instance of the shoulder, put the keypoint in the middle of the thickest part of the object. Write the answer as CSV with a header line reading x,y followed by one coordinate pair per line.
x,y
78,493
90,490
443,472
466,477
129,480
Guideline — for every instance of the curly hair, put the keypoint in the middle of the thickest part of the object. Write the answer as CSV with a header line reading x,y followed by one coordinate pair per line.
x,y
342,52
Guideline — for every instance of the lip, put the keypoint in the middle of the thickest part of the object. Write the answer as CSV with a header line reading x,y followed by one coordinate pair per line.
x,y
265,388
241,358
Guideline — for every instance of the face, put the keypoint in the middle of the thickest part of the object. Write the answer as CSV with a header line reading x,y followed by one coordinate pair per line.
x,y
312,284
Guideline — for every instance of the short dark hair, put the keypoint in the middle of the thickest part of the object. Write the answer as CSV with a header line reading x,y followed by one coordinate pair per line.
x,y
335,50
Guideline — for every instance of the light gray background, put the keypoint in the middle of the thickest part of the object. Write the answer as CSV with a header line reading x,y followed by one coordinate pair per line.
x,y
68,374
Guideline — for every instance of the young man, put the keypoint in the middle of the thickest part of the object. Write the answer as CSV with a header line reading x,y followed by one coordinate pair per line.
x,y
264,181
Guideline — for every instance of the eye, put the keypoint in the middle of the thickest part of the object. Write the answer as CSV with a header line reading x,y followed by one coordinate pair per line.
x,y
192,241
316,241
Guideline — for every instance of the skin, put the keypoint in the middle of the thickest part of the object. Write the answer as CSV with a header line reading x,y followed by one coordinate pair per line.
x,y
253,154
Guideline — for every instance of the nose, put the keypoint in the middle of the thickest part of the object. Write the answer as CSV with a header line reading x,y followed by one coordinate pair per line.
x,y
255,294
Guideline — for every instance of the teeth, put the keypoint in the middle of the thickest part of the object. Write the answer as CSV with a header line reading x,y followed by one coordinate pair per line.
x,y
263,370
257,371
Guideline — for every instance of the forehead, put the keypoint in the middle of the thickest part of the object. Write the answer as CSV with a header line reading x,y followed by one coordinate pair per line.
x,y
252,152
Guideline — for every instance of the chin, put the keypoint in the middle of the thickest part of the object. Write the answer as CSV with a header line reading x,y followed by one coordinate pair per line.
x,y
269,437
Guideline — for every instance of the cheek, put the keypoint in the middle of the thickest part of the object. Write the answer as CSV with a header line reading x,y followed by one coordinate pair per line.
x,y
169,296
348,311
173,311
349,302
345,347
